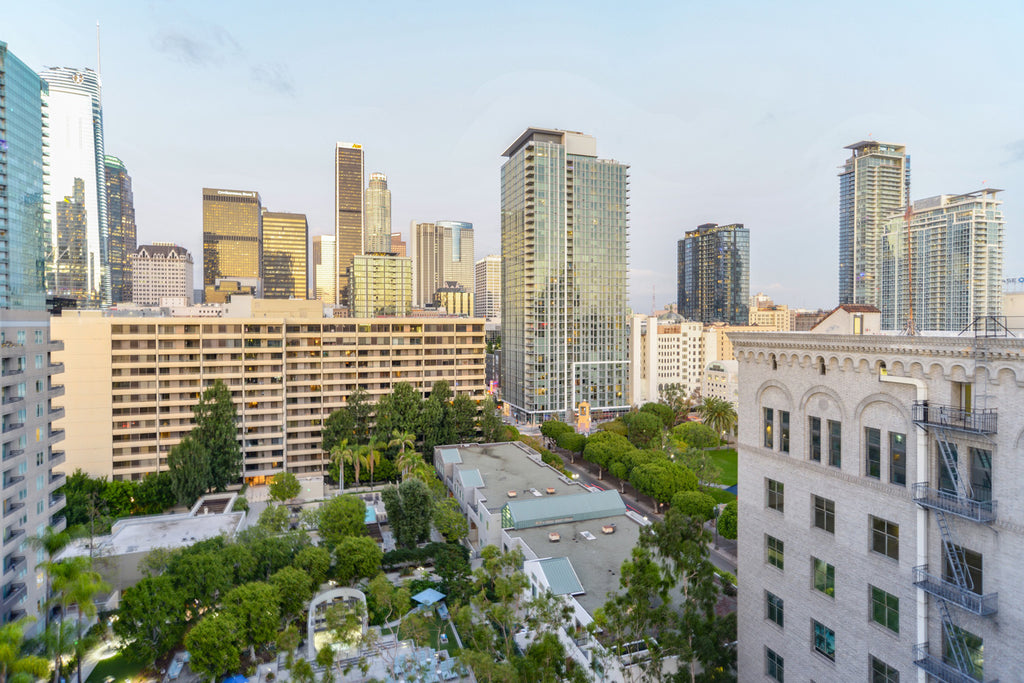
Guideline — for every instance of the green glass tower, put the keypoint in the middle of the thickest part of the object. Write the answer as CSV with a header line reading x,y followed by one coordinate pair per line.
x,y
564,241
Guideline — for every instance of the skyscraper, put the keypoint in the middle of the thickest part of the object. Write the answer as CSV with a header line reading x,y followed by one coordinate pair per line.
x,y
564,242
487,291
25,236
397,244
348,212
377,239
232,236
161,270
121,232
285,246
950,271
380,285
325,263
442,252
874,183
76,152
714,274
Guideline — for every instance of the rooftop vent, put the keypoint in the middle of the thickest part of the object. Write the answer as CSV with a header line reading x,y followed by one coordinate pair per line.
x,y
554,537
587,535
536,493
551,490
512,494
608,528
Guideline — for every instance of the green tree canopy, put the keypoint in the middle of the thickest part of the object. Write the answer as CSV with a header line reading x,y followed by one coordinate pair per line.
x,y
17,666
150,619
294,589
643,429
662,412
489,422
449,520
356,557
463,413
718,414
216,429
340,517
315,561
409,507
189,467
436,425
256,610
662,479
694,435
215,644
694,504
728,521
284,486
399,411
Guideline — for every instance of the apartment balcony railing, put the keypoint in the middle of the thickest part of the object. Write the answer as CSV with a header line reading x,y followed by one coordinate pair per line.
x,y
11,535
11,426
14,565
982,511
948,417
938,669
12,399
14,593
982,605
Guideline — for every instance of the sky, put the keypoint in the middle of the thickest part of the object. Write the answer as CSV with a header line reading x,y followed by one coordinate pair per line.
x,y
726,112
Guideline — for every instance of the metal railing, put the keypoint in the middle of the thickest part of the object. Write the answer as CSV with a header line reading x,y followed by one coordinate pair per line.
x,y
950,417
982,605
937,668
983,511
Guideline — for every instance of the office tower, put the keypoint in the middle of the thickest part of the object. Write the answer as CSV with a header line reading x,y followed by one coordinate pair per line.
x,y
564,277
874,183
324,264
121,233
25,235
377,236
950,271
348,212
379,285
488,287
454,299
880,535
397,244
663,351
442,252
76,153
714,273
71,276
161,270
282,401
285,245
232,236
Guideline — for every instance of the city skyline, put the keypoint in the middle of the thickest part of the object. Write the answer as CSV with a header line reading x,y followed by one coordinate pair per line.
x,y
755,136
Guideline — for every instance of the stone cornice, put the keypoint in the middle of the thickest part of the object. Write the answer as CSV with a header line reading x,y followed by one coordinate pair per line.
x,y
996,349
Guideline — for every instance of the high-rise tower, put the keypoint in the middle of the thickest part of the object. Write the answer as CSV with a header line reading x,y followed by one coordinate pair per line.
x,y
76,152
285,247
874,183
487,293
325,263
232,237
377,239
714,274
121,230
564,243
348,212
442,252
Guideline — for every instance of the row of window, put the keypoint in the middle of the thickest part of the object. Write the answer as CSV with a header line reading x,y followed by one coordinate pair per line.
x,y
885,536
774,664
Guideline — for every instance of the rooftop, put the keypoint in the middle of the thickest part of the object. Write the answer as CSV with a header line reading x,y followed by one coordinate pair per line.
x,y
143,534
585,505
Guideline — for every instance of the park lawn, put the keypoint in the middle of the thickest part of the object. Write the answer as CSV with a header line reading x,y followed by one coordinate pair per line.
x,y
117,667
725,458
720,495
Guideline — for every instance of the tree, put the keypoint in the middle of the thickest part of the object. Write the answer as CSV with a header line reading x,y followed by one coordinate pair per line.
x,y
463,418
389,601
315,562
75,583
359,407
189,466
216,429
201,577
694,504
119,497
553,428
284,486
17,666
215,644
294,589
345,621
604,448
644,429
59,640
371,456
728,521
436,425
662,412
256,610
449,520
344,454
402,441
701,463
718,414
274,519
287,642
489,422
399,411
662,479
676,398
694,435
409,507
149,620
339,426
500,588
340,517
154,493
356,557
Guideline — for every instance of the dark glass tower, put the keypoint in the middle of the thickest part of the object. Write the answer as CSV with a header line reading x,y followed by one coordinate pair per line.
x,y
714,274
348,211
121,232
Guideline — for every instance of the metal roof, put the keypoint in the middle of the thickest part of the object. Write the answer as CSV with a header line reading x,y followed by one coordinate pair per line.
x,y
450,456
561,577
523,514
471,479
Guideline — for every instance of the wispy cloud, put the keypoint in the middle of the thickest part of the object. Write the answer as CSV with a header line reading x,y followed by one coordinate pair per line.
x,y
1016,150
199,47
275,76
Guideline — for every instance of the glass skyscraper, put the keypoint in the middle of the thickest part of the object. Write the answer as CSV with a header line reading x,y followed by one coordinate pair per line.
x,y
232,236
348,212
76,153
564,243
442,253
285,240
121,230
378,216
713,264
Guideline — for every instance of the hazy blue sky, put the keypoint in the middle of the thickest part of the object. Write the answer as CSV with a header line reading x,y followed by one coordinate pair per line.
x,y
726,111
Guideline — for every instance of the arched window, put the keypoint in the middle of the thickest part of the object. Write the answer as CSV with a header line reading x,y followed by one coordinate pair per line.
x,y
775,363
821,365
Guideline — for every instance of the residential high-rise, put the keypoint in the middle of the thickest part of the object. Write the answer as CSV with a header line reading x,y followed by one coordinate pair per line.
x,y
951,270
714,274
564,277
397,244
880,532
377,236
325,278
348,212
664,351
232,236
161,270
285,247
25,235
442,252
76,152
121,231
874,183
488,287
380,285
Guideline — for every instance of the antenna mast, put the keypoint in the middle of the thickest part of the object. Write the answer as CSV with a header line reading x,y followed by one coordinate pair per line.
x,y
99,68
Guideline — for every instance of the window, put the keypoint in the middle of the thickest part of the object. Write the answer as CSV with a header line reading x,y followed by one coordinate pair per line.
x,y
775,492
873,452
885,609
883,673
824,640
825,514
773,665
773,608
947,480
39,336
981,474
824,577
885,538
784,431
815,438
769,418
974,647
39,361
835,443
970,564
774,551
898,458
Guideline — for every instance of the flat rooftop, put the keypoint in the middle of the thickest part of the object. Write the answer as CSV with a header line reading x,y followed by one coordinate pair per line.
x,y
143,534
508,467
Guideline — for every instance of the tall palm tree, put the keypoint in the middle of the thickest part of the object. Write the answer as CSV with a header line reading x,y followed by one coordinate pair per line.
x,y
403,440
15,666
50,542
371,455
83,591
718,414
343,454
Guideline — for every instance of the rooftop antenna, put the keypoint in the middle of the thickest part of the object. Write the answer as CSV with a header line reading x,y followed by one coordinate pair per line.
x,y
910,329
99,68
654,297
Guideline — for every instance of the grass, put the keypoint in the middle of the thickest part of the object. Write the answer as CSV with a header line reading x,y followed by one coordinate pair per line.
x,y
117,666
725,459
435,625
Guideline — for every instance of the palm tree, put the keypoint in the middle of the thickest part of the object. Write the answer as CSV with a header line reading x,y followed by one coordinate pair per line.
x,y
718,414
51,542
15,666
59,640
402,440
83,591
342,454
371,455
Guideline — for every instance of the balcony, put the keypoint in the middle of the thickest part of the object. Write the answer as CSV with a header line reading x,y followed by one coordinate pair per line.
x,y
12,480
57,479
12,534
12,399
55,391
948,417
56,499
13,372
11,506
981,511
56,434
15,563
12,594
56,345
56,413
58,524
982,605
56,368
11,426
938,669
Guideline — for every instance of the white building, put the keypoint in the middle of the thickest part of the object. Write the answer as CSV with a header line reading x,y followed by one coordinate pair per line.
x,y
881,529
161,270
488,288
663,351
721,380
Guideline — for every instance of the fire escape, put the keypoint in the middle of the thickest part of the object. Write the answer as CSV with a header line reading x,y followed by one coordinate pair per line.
x,y
956,505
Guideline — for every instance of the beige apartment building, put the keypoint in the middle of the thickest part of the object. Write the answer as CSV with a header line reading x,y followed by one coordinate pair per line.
x,y
132,380
776,317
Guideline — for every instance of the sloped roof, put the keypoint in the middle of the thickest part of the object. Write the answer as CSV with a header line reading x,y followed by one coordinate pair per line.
x,y
561,577
523,514
450,456
471,479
